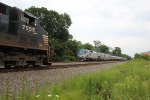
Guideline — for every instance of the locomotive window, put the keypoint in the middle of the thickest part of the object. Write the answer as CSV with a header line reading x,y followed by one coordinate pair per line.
x,y
2,9
31,20
15,16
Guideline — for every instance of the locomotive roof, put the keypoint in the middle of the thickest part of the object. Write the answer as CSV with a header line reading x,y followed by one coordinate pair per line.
x,y
4,4
31,15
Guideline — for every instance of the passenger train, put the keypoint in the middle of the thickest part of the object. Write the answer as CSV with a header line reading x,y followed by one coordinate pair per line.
x,y
90,55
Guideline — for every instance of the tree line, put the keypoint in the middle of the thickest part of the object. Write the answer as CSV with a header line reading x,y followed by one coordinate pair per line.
x,y
142,56
63,46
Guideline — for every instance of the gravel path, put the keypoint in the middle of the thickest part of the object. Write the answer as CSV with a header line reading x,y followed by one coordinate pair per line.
x,y
13,81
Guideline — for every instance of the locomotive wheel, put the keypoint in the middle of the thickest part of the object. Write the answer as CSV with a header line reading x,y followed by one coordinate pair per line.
x,y
7,66
49,64
25,66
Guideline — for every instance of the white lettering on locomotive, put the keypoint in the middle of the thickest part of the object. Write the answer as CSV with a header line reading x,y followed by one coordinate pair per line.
x,y
28,28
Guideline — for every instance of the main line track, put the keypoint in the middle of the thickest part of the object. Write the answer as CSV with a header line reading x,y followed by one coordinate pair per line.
x,y
53,66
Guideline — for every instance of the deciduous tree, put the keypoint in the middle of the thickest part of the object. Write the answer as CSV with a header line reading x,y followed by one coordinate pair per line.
x,y
56,25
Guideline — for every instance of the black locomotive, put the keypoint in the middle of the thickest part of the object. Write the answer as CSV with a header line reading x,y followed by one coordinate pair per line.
x,y
23,41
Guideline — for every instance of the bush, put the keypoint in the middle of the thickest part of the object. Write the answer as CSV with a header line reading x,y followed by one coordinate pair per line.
x,y
65,58
144,57
69,58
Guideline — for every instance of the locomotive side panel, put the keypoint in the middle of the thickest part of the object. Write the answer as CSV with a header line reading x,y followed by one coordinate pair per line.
x,y
4,18
30,29
21,29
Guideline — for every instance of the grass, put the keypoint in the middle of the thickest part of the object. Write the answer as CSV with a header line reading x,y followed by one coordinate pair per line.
x,y
130,81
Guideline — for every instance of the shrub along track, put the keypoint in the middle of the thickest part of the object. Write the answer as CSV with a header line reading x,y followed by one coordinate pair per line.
x,y
54,66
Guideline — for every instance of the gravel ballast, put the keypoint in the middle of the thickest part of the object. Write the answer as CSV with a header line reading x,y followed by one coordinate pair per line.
x,y
13,81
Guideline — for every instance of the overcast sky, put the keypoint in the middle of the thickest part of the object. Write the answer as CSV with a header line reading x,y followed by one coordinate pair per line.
x,y
122,23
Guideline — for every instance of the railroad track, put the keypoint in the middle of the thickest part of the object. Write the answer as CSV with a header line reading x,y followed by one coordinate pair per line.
x,y
53,66
76,64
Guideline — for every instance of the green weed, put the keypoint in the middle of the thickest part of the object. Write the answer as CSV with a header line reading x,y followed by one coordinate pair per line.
x,y
129,81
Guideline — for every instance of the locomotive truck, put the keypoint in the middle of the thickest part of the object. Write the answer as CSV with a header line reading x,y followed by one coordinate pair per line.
x,y
23,41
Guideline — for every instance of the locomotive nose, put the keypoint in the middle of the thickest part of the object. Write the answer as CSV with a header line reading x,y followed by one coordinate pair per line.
x,y
80,56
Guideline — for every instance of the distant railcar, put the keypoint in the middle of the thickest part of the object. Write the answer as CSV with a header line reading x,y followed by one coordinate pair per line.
x,y
86,55
23,41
